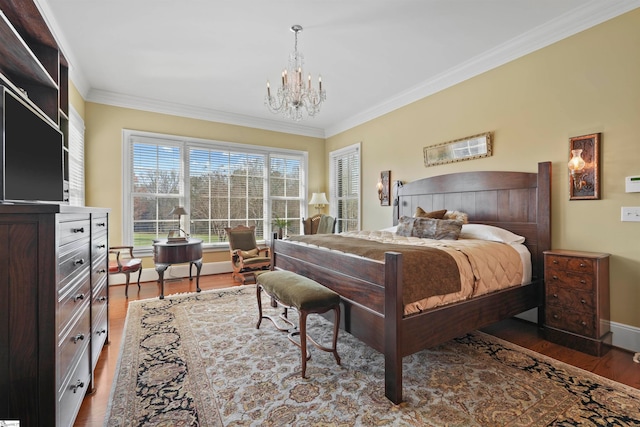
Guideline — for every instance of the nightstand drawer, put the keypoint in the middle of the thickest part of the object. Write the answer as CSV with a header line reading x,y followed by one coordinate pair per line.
x,y
572,299
576,322
569,279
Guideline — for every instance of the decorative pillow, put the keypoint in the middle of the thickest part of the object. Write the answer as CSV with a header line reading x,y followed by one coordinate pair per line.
x,y
421,213
429,228
249,254
489,232
456,216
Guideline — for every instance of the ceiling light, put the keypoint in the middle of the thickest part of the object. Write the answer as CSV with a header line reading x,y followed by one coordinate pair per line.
x,y
295,96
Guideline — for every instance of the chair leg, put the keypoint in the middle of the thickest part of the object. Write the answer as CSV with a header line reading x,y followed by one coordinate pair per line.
x,y
126,287
139,274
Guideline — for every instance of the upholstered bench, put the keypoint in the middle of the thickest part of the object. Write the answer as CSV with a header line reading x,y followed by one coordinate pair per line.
x,y
307,296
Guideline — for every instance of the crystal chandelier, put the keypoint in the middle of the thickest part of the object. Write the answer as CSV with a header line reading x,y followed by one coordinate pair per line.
x,y
294,97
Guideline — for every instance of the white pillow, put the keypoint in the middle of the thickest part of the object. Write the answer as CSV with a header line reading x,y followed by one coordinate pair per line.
x,y
391,229
489,232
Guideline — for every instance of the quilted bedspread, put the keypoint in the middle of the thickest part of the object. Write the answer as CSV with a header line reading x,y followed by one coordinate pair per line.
x,y
483,266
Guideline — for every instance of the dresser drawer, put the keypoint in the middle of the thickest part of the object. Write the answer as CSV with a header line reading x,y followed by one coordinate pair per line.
x,y
72,228
99,248
98,224
72,391
572,299
572,321
100,296
73,298
99,328
72,258
577,264
569,279
98,273
71,342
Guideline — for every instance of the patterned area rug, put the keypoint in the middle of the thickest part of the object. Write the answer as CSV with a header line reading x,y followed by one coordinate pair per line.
x,y
198,360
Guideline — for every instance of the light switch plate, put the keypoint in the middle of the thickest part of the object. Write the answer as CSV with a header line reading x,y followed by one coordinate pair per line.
x,y
631,214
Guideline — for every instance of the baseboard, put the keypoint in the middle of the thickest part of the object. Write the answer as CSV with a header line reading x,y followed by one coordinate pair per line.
x,y
624,336
174,271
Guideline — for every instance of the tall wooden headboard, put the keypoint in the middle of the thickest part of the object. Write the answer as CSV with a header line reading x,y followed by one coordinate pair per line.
x,y
516,201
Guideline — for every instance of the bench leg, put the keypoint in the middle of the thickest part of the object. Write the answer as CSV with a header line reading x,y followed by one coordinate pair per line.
x,y
303,340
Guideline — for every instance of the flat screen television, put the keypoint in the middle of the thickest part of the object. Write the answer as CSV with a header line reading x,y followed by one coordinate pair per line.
x,y
31,163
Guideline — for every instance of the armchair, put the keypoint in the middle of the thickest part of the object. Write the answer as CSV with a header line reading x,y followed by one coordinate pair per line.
x,y
246,256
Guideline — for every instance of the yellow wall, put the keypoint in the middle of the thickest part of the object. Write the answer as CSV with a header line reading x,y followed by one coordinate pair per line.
x,y
587,83
103,145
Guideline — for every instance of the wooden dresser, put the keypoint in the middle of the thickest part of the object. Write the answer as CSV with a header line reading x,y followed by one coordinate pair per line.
x,y
53,309
577,312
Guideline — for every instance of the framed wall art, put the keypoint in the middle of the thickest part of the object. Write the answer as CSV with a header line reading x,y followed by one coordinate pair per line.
x,y
471,147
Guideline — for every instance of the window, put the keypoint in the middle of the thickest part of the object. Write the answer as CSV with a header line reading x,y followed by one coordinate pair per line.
x,y
344,173
76,158
219,184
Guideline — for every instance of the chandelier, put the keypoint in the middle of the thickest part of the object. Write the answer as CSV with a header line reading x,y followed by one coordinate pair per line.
x,y
293,98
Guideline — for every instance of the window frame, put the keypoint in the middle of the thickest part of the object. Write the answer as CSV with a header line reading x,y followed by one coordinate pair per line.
x,y
128,138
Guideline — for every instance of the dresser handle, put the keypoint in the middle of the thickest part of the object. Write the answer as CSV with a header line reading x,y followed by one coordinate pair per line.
x,y
555,277
77,338
555,295
101,224
76,386
583,265
78,297
102,298
79,261
77,230
102,271
555,316
102,246
584,282
555,261
104,331
583,301
583,323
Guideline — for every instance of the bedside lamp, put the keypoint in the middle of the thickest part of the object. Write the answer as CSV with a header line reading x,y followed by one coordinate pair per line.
x,y
179,211
319,200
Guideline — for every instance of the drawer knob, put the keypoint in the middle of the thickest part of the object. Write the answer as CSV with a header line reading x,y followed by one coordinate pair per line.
x,y
101,224
583,301
555,316
555,261
76,386
583,264
584,282
79,261
102,298
555,277
78,297
555,295
103,331
102,271
102,246
77,230
77,338
583,323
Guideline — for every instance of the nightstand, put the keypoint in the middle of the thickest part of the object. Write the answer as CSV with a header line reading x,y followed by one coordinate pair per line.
x,y
577,313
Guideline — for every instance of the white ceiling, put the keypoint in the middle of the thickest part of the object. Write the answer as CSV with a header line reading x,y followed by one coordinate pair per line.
x,y
210,59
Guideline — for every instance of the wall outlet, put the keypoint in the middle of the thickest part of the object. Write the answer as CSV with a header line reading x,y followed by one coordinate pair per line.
x,y
631,214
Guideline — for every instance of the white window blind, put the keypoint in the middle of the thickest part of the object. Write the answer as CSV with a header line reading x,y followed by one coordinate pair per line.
x,y
76,158
219,184
344,170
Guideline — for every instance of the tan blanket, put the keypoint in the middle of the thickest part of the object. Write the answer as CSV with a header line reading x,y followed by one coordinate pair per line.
x,y
426,271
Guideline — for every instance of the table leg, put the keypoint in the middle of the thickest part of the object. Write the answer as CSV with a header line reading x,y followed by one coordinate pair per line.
x,y
198,265
160,269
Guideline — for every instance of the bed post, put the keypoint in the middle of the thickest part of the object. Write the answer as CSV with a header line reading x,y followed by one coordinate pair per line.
x,y
543,218
393,312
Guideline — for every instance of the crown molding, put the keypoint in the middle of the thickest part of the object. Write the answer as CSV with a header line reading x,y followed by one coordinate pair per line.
x,y
181,110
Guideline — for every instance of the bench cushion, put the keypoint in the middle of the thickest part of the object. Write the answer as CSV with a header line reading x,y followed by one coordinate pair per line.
x,y
297,291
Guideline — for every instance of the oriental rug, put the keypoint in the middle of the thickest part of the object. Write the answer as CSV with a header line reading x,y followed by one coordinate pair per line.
x,y
198,360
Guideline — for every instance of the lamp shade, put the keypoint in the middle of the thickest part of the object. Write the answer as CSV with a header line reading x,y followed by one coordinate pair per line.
x,y
178,210
319,199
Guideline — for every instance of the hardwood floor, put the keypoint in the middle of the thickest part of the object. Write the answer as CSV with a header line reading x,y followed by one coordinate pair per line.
x,y
617,364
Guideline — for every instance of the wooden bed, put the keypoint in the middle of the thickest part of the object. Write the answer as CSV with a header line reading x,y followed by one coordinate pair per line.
x,y
371,291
